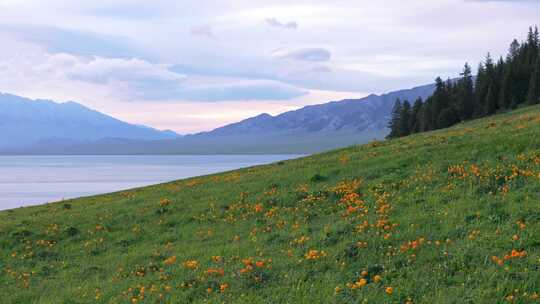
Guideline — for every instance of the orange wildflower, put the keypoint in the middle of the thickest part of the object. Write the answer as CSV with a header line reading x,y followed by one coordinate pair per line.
x,y
170,260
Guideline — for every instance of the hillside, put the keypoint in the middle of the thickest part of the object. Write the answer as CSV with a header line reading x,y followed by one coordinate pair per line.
x,y
25,122
450,216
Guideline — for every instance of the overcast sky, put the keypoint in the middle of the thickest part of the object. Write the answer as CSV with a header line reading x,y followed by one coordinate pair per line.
x,y
195,65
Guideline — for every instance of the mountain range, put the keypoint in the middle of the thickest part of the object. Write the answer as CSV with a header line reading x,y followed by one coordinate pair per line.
x,y
46,127
25,122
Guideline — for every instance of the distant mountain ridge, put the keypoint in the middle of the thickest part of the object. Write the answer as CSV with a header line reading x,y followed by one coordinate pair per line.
x,y
25,122
370,113
310,129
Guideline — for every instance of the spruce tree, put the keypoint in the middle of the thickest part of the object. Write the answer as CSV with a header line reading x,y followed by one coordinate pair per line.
x,y
394,123
414,123
446,118
439,101
513,51
497,86
533,96
481,87
490,105
405,119
532,46
505,92
466,94
521,75
426,116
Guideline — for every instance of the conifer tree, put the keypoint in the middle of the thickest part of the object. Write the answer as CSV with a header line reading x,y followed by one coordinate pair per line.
x,y
533,96
466,94
414,123
439,101
532,45
446,118
513,51
481,88
498,86
426,116
405,119
395,120
490,105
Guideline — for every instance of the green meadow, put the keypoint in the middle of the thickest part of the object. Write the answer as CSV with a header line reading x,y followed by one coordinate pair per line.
x,y
450,216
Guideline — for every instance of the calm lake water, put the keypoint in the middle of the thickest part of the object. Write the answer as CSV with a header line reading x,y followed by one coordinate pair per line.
x,y
32,180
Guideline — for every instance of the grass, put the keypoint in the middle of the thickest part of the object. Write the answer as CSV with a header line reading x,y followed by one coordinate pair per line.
x,y
451,216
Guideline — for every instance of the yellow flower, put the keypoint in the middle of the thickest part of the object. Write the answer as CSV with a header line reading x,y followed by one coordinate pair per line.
x,y
389,290
191,264
314,254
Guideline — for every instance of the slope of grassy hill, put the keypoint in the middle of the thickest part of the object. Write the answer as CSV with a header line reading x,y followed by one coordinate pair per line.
x,y
451,216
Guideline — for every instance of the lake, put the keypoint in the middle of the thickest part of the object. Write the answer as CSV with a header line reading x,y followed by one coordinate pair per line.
x,y
32,180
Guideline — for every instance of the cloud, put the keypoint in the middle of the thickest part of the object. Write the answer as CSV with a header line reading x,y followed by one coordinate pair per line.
x,y
203,30
141,80
85,43
273,22
26,67
138,79
305,54
246,90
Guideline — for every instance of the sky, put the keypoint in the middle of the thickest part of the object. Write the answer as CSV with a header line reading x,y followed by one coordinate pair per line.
x,y
191,66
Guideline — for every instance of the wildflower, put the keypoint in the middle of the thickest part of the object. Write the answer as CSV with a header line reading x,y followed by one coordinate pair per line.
x,y
223,287
170,260
361,244
389,290
258,208
377,278
164,202
314,254
301,240
215,271
361,283
191,264
515,254
337,289
497,260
